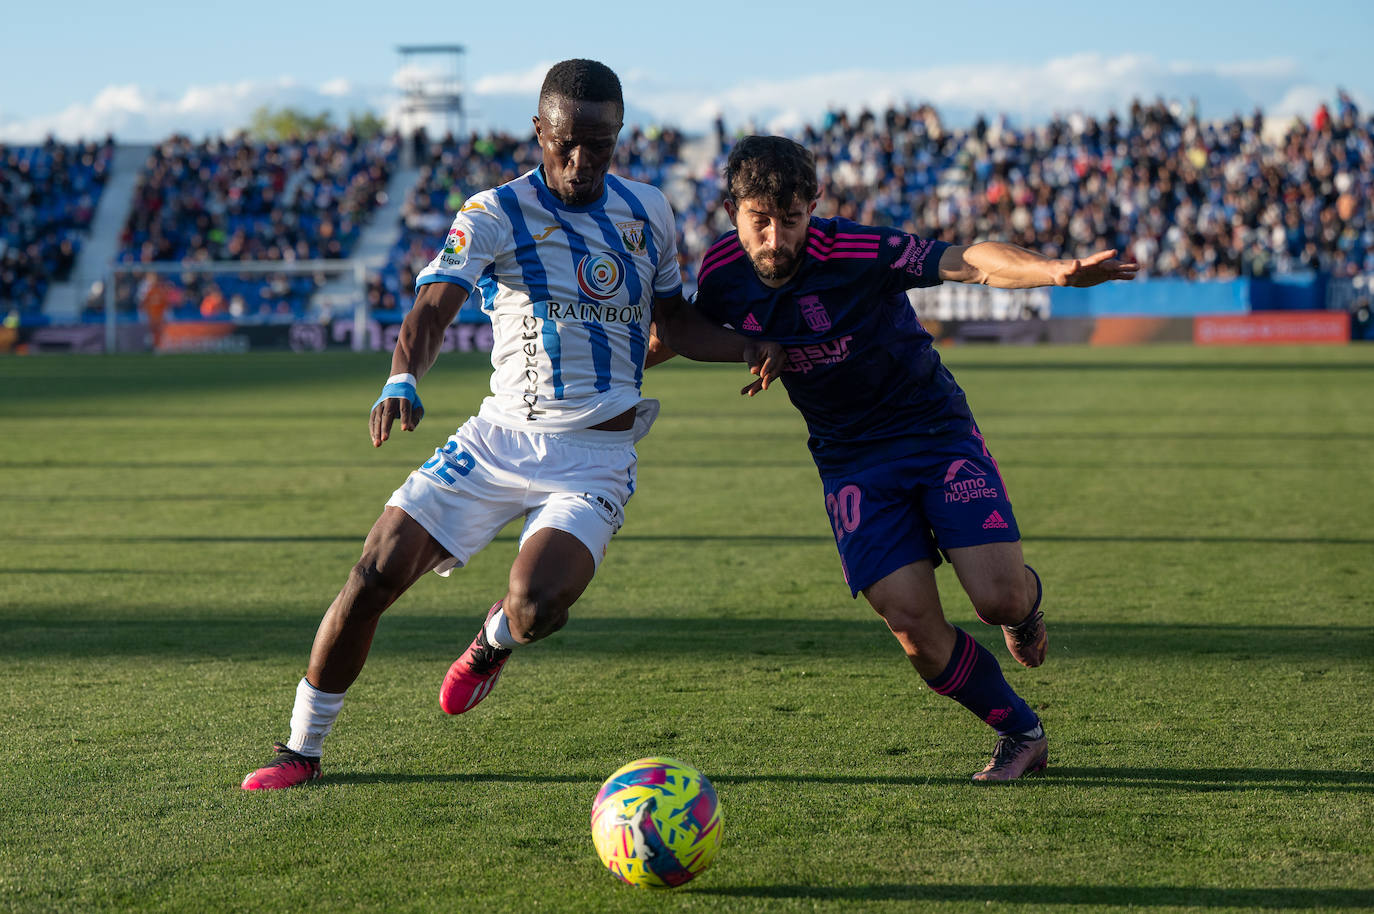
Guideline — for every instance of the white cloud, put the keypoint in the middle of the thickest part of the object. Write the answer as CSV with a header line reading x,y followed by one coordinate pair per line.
x,y
1086,82
337,88
523,82
135,115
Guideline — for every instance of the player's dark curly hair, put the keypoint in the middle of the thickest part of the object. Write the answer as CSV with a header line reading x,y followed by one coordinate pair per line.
x,y
771,168
582,81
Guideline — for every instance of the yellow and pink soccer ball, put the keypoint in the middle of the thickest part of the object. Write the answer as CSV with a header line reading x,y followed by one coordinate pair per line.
x,y
656,823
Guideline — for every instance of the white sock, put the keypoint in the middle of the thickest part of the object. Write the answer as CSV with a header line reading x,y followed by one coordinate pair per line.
x,y
312,718
1035,733
498,632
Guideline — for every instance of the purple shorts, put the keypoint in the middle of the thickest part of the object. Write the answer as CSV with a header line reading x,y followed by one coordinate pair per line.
x,y
910,508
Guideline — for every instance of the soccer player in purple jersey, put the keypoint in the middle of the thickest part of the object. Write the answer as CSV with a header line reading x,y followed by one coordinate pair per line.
x,y
906,473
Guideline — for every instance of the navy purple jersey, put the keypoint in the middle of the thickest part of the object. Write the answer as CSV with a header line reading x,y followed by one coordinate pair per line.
x,y
860,367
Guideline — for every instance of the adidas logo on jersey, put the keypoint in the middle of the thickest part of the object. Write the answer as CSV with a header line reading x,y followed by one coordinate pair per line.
x,y
751,323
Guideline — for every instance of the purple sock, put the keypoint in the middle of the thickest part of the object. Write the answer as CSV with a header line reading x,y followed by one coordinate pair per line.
x,y
974,679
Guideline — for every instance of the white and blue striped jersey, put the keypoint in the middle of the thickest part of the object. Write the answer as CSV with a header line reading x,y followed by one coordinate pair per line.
x,y
569,290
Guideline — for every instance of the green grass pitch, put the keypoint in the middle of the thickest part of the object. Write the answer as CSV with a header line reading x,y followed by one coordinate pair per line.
x,y
172,528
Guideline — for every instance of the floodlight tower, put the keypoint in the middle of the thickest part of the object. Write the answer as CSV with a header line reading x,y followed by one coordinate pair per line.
x,y
432,86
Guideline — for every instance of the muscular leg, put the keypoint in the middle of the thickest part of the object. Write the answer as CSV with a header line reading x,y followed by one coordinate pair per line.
x,y
1005,592
909,603
396,554
550,573
997,581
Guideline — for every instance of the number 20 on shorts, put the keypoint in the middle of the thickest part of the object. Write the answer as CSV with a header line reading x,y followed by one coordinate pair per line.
x,y
844,510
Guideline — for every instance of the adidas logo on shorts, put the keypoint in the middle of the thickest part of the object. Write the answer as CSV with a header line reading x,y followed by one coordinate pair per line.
x,y
995,521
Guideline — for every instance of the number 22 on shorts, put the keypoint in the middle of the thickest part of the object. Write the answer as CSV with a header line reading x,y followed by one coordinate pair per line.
x,y
448,460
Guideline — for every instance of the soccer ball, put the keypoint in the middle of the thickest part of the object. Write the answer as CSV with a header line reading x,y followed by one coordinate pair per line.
x,y
656,823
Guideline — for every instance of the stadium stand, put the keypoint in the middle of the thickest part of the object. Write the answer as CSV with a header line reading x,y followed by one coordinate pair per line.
x,y
1185,198
237,199
1190,200
48,195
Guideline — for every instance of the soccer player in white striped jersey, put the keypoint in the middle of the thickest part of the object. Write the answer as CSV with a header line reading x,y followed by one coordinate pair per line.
x,y
578,271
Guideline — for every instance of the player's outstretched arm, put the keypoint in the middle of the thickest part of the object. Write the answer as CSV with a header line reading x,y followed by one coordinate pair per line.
x,y
417,346
1006,266
679,328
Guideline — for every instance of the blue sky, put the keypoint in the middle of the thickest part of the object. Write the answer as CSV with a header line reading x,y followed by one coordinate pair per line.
x,y
145,70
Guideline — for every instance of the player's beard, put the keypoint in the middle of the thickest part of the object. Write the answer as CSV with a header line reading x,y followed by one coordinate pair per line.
x,y
776,265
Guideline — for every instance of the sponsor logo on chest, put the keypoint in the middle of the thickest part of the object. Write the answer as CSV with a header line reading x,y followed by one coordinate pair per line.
x,y
596,312
806,358
600,275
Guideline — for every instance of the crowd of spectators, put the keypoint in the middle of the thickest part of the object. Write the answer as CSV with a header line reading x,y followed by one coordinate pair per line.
x,y
1184,198
48,196
240,199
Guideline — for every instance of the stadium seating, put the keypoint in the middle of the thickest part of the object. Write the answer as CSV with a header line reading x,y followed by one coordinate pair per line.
x,y
48,195
239,199
1188,199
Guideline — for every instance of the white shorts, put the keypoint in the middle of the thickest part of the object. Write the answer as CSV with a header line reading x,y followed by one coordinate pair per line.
x,y
485,476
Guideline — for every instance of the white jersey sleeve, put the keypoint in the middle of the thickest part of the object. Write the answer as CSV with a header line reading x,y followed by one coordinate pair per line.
x,y
668,276
478,234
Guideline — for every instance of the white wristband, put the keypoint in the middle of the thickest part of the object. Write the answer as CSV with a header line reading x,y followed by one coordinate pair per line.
x,y
406,378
